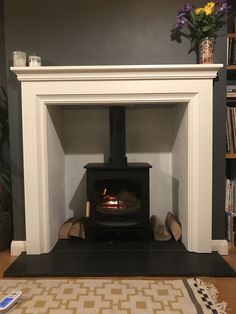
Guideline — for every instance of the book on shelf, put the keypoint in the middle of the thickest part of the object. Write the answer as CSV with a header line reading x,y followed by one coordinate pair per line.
x,y
232,232
233,235
233,121
231,88
230,210
231,130
231,94
231,51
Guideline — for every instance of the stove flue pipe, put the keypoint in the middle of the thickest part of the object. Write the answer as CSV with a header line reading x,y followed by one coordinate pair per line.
x,y
117,137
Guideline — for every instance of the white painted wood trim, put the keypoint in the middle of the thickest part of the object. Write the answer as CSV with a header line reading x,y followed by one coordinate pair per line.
x,y
200,155
106,85
17,247
221,246
118,72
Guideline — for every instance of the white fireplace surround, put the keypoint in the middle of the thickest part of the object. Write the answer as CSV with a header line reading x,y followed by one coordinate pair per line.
x,y
43,87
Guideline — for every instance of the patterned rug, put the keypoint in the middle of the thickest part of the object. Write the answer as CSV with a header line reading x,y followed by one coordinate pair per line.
x,y
110,296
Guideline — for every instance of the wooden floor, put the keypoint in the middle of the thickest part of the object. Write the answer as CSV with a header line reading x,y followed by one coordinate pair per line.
x,y
225,285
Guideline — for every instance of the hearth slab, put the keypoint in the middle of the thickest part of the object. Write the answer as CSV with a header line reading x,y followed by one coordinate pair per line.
x,y
105,263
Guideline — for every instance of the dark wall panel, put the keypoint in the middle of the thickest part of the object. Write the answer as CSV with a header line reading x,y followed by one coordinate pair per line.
x,y
232,16
87,32
2,45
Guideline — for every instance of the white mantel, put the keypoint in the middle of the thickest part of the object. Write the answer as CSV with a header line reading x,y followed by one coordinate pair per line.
x,y
116,72
43,87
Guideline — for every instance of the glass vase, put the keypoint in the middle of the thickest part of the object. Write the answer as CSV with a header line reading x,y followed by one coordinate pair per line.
x,y
206,50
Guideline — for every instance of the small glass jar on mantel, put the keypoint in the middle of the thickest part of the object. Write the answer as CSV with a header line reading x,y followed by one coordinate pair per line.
x,y
34,61
19,58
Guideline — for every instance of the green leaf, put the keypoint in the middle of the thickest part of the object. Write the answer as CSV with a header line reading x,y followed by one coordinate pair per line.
x,y
193,45
193,17
206,28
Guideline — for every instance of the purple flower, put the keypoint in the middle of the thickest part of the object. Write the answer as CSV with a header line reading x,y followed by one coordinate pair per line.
x,y
180,21
176,34
182,16
222,7
186,9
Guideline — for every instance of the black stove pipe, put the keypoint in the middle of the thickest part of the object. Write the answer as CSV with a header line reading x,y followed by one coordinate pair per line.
x,y
117,137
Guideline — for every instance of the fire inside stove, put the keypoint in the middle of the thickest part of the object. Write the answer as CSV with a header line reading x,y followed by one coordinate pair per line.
x,y
112,201
118,198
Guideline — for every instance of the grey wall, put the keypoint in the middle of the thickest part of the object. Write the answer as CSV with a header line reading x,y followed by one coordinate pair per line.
x,y
83,32
2,45
232,16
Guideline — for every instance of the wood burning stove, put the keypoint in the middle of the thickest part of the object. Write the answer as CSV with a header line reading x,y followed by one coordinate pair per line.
x,y
118,192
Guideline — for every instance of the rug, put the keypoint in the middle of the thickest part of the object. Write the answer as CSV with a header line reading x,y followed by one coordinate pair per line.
x,y
110,296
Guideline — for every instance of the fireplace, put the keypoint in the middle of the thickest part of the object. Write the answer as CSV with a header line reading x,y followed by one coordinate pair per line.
x,y
187,87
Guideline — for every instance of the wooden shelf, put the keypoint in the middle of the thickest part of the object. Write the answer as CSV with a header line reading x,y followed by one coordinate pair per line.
x,y
230,156
231,35
231,67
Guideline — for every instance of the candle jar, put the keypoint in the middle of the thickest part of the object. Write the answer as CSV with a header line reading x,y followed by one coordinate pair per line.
x,y
34,61
19,59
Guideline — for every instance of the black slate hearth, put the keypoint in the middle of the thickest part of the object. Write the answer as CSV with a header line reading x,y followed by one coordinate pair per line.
x,y
79,258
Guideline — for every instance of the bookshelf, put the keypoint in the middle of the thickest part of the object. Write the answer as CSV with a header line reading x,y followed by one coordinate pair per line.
x,y
230,200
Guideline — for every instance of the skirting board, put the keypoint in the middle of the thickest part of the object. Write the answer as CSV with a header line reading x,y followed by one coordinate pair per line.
x,y
221,246
17,247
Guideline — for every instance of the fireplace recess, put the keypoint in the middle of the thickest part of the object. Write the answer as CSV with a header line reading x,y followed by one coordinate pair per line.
x,y
118,192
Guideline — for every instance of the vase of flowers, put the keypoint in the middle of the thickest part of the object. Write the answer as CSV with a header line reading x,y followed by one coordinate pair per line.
x,y
200,25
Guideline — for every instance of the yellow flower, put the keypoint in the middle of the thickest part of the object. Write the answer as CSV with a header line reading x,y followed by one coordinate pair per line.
x,y
199,11
209,7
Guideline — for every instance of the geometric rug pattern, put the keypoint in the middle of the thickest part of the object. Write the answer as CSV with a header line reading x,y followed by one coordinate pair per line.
x,y
110,296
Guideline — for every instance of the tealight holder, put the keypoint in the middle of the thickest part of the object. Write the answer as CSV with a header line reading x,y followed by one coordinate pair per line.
x,y
19,58
34,61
